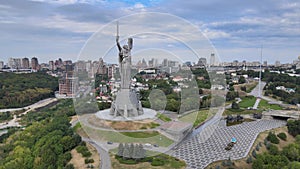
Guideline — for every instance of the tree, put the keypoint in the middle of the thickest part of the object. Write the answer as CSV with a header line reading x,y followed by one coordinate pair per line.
x,y
242,80
234,105
120,150
294,127
243,88
292,152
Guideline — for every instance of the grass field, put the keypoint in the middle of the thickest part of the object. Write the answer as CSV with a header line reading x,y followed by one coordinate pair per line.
x,y
196,117
251,86
247,101
141,134
163,117
263,104
240,111
129,137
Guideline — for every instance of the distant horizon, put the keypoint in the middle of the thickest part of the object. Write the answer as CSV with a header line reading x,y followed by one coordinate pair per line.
x,y
146,59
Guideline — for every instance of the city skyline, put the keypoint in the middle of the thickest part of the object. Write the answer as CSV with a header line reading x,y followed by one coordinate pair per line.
x,y
53,29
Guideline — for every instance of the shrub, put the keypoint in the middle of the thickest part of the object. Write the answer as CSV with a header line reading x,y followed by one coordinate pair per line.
x,y
84,151
282,136
298,138
257,147
273,150
218,167
254,153
273,138
249,160
69,166
294,127
88,160
157,162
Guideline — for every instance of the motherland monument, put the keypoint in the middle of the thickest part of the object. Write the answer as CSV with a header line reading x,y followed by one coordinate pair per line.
x,y
127,103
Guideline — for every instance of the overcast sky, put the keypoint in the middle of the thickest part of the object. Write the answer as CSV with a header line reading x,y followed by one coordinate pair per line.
x,y
50,29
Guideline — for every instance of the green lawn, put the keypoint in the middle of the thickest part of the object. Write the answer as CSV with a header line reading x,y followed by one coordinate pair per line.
x,y
129,137
263,104
163,117
240,111
196,117
141,134
247,101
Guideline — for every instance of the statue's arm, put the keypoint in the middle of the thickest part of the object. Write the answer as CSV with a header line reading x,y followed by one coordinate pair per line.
x,y
118,44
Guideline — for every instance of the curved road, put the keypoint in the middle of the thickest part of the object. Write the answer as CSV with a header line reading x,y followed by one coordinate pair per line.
x,y
105,162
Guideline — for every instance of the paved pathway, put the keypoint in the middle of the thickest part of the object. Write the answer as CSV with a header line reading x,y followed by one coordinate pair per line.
x,y
105,162
198,153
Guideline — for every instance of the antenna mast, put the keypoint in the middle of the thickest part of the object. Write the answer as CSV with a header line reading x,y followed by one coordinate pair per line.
x,y
259,83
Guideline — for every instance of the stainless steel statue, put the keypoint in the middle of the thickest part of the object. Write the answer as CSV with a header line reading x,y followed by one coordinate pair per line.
x,y
127,103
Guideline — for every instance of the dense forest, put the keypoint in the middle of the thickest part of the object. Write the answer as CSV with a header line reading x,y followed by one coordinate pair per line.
x,y
45,143
19,90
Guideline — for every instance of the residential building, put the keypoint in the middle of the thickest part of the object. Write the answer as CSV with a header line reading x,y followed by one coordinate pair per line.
x,y
34,63
25,63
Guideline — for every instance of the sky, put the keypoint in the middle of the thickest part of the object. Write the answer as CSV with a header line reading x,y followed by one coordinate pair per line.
x,y
235,29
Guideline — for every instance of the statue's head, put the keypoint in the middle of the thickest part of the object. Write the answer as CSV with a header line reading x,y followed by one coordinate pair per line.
x,y
126,47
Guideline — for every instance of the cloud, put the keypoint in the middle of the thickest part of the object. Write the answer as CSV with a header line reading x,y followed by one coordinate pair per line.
x,y
231,24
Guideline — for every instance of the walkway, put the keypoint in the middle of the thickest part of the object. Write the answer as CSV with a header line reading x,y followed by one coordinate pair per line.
x,y
199,154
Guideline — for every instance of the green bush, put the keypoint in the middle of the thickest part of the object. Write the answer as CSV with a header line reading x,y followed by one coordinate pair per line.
x,y
257,147
294,127
249,160
273,138
84,151
88,160
282,136
157,162
254,153
273,150
69,166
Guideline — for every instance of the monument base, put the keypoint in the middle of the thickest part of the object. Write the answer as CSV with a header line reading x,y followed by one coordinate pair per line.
x,y
106,115
126,104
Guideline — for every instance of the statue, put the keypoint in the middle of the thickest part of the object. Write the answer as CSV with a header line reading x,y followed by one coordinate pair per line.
x,y
127,103
125,62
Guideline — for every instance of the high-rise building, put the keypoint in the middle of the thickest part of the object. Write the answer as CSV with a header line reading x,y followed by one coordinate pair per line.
x,y
80,66
265,64
1,64
202,62
14,63
165,63
212,59
101,67
51,65
277,63
68,85
25,63
34,63
151,62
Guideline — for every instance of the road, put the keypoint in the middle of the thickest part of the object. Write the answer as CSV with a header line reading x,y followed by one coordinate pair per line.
x,y
38,104
14,121
105,162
